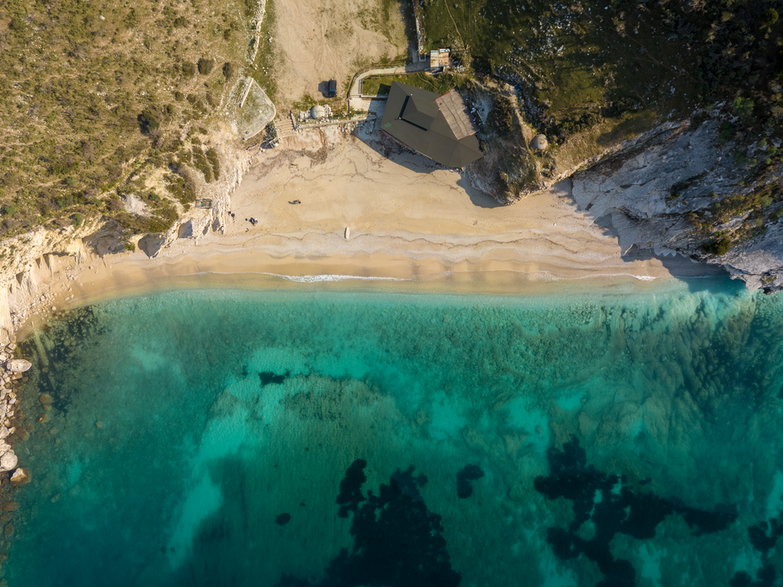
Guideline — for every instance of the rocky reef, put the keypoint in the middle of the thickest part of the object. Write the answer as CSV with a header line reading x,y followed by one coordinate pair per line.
x,y
12,370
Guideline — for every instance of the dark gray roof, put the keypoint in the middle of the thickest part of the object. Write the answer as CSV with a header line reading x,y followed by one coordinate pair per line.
x,y
412,117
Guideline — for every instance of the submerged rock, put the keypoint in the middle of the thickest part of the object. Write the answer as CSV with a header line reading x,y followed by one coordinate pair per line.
x,y
612,505
465,478
267,377
351,495
18,365
283,519
20,477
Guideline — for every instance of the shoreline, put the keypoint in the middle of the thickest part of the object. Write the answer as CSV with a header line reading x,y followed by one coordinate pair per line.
x,y
415,229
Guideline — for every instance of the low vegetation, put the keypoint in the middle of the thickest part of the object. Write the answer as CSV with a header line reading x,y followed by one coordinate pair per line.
x,y
379,85
608,69
96,96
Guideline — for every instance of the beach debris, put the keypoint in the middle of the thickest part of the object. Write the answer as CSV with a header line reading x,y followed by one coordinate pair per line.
x,y
347,233
18,365
294,202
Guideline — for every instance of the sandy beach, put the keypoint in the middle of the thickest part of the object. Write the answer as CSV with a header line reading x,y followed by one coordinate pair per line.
x,y
413,227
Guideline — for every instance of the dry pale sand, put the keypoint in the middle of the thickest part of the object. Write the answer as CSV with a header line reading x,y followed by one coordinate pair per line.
x,y
414,227
318,40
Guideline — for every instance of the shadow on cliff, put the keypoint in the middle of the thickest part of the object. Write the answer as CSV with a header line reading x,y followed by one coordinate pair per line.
x,y
697,275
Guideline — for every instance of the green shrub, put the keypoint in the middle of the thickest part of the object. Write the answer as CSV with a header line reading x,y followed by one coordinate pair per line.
x,y
205,65
188,69
212,157
201,163
718,246
148,122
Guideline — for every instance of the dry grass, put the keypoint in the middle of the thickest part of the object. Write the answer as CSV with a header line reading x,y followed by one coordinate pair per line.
x,y
93,92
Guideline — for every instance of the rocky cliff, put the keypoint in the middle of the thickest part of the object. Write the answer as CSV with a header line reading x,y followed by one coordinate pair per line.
x,y
29,262
676,189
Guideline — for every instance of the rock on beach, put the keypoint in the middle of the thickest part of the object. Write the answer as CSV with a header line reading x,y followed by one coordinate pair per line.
x,y
8,461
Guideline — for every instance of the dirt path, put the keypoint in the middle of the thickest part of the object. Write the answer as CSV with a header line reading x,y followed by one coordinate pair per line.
x,y
320,40
358,101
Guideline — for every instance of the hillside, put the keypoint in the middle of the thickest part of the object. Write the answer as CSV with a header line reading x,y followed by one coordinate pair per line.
x,y
106,105
590,75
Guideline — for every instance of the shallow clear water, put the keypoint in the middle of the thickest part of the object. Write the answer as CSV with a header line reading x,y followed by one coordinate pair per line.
x,y
203,438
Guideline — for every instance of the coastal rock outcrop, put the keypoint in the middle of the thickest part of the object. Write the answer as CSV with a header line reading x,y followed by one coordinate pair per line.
x,y
20,477
18,365
151,244
649,192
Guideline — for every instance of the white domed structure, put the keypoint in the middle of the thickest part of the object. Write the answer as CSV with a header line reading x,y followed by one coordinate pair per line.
x,y
317,112
539,143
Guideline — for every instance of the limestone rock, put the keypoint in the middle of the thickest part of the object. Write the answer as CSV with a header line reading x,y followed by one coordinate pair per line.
x,y
20,477
539,143
18,365
645,192
185,229
151,243
8,461
107,240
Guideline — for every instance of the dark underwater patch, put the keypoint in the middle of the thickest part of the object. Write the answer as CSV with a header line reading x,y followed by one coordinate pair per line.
x,y
283,519
350,495
397,541
465,478
65,337
613,506
268,377
763,536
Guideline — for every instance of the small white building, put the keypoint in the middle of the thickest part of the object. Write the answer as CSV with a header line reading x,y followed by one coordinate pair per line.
x,y
440,59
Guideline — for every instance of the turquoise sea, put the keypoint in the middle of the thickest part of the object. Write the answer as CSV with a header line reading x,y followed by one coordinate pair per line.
x,y
332,438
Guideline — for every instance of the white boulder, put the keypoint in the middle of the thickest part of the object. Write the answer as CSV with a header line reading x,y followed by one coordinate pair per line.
x,y
8,461
18,365
19,477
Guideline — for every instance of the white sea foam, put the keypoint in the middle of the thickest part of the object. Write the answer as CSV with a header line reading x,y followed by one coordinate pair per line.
x,y
331,277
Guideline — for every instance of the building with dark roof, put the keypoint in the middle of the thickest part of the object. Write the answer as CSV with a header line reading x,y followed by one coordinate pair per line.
x,y
438,127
